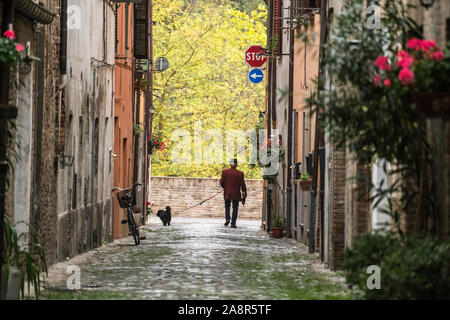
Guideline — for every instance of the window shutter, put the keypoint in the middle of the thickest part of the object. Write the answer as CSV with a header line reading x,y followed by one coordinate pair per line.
x,y
141,29
277,34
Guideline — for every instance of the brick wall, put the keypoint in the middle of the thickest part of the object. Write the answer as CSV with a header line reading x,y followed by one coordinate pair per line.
x,y
181,193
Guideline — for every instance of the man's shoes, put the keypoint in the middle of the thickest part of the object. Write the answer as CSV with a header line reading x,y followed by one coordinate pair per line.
x,y
233,226
227,223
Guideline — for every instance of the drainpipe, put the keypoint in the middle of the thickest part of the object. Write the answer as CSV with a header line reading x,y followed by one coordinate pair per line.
x,y
148,104
290,161
93,143
318,133
8,18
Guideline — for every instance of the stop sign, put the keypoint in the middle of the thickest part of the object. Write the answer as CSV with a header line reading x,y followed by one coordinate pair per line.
x,y
254,56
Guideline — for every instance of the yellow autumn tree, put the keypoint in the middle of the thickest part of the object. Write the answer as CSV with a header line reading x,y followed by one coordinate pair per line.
x,y
207,81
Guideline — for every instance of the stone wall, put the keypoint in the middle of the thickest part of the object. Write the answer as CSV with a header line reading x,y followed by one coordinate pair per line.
x,y
181,193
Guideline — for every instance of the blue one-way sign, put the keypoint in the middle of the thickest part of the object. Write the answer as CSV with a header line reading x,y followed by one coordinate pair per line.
x,y
256,76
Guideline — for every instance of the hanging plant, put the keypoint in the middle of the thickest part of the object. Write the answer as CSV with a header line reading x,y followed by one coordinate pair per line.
x,y
10,51
421,68
305,181
272,150
157,143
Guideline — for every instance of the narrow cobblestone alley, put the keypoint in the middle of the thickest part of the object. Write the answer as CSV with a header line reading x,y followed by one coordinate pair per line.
x,y
198,259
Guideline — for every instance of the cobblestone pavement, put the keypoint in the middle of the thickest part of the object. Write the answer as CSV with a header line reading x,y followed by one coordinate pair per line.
x,y
198,259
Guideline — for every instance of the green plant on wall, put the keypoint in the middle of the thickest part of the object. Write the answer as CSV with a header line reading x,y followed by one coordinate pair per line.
x,y
137,129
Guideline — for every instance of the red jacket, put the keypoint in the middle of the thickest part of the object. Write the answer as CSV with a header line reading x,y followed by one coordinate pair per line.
x,y
232,181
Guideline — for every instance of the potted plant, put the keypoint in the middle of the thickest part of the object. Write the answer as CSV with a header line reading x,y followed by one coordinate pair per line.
x,y
10,51
305,181
278,227
22,263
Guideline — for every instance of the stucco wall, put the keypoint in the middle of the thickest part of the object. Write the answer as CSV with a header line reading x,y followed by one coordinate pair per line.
x,y
181,193
123,113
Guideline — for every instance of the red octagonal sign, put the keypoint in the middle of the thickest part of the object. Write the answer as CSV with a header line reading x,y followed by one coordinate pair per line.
x,y
254,56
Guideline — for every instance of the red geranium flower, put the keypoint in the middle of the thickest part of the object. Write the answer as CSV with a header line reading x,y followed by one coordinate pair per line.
x,y
9,34
376,80
404,60
437,56
406,76
382,62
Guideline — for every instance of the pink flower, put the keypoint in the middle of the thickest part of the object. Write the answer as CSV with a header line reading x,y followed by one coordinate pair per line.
x,y
9,34
426,45
383,63
387,82
418,44
437,56
376,80
20,47
404,60
414,43
406,76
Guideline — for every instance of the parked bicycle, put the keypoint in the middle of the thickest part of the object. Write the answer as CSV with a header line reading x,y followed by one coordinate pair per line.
x,y
127,199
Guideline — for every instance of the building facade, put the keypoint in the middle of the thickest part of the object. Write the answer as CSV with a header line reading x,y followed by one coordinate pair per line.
x,y
331,211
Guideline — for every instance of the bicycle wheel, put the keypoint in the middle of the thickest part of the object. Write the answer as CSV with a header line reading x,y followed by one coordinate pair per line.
x,y
134,228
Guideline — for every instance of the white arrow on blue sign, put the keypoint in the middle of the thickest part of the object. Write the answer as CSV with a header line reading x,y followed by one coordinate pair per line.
x,y
256,76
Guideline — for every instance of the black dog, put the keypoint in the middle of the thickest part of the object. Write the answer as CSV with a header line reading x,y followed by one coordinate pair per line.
x,y
165,215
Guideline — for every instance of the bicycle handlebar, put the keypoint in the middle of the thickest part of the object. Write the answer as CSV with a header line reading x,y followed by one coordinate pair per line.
x,y
129,188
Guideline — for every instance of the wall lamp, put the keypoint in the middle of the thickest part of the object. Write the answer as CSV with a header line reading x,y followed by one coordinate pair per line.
x,y
25,64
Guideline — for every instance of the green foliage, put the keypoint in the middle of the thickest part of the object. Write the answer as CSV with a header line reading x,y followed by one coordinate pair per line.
x,y
279,223
247,6
305,176
205,43
29,260
378,121
8,52
137,129
416,268
157,143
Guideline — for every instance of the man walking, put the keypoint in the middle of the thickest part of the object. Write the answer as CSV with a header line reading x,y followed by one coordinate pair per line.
x,y
232,181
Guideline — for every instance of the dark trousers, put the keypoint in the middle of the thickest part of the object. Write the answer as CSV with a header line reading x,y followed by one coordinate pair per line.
x,y
235,210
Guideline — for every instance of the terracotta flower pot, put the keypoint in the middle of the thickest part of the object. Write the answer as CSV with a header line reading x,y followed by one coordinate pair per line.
x,y
305,184
434,103
277,232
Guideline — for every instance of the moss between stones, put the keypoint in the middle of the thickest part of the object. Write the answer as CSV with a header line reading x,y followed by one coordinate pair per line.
x,y
285,281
